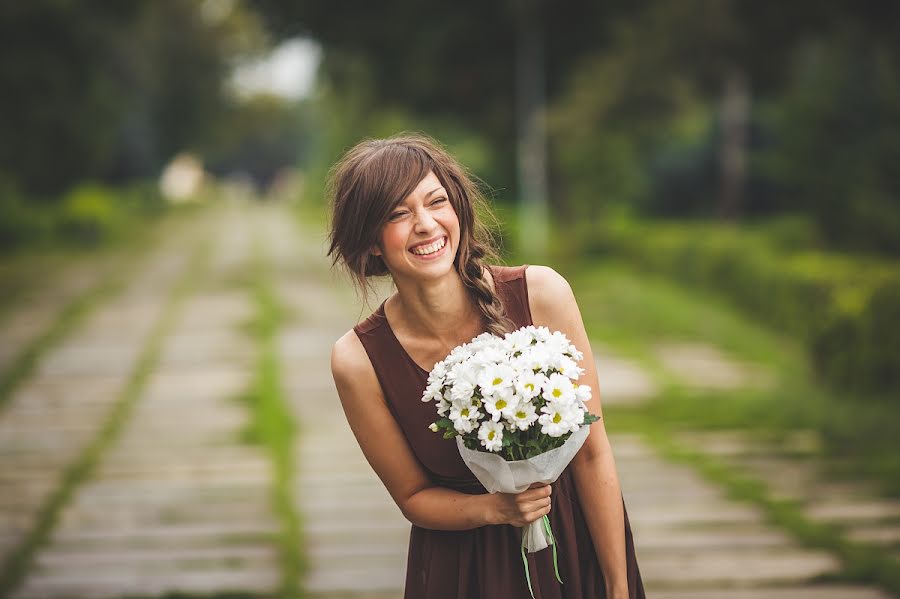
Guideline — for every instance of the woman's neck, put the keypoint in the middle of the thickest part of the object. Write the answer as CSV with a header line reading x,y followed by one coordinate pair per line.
x,y
441,310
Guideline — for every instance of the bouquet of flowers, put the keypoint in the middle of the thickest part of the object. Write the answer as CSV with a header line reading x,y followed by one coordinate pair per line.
x,y
516,412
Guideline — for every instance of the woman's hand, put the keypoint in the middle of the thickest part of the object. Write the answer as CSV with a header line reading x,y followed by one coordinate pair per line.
x,y
522,508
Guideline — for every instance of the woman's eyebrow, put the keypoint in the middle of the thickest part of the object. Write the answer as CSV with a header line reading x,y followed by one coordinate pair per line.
x,y
403,203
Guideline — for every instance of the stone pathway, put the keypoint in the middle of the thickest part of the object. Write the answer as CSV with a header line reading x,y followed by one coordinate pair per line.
x,y
703,366
792,469
693,541
35,310
356,537
178,504
622,381
50,419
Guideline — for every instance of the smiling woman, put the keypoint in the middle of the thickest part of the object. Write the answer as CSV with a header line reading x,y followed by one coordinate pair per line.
x,y
404,207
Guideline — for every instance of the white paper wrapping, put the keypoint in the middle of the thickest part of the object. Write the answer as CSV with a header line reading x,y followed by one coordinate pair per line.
x,y
499,476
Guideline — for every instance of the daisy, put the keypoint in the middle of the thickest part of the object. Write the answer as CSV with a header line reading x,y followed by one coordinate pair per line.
x,y
558,388
524,416
495,377
501,403
491,435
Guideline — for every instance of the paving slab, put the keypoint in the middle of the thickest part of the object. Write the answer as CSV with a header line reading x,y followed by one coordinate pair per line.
x,y
704,366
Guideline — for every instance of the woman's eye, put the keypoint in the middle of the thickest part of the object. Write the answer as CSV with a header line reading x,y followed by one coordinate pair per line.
x,y
438,201
396,215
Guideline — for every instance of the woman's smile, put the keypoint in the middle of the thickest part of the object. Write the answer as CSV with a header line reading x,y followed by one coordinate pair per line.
x,y
430,251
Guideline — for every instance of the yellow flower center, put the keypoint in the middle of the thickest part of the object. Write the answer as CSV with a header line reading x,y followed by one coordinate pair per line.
x,y
557,393
464,413
520,414
501,404
491,436
556,418
497,381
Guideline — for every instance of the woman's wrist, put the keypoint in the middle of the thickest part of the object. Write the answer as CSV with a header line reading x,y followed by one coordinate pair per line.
x,y
490,515
616,590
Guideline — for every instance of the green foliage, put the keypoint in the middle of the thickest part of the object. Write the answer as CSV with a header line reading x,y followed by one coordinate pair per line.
x,y
843,308
88,215
20,224
108,90
837,128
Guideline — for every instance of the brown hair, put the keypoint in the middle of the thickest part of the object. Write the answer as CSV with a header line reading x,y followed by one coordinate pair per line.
x,y
373,177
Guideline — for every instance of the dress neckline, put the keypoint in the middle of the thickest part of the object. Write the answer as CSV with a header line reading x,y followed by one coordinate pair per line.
x,y
393,335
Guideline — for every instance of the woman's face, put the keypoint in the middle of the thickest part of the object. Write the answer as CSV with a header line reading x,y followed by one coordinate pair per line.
x,y
421,235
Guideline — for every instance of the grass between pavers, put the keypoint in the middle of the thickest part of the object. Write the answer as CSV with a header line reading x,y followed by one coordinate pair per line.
x,y
862,562
16,566
272,424
75,311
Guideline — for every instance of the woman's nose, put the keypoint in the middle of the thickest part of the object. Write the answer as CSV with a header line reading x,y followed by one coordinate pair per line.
x,y
424,221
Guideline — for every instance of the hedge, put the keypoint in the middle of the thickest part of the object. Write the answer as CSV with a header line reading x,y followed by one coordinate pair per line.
x,y
845,308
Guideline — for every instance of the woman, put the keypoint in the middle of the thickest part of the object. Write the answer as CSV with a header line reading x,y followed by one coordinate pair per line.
x,y
404,207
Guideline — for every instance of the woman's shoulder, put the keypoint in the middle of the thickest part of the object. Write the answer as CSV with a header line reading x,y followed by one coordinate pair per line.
x,y
350,361
548,292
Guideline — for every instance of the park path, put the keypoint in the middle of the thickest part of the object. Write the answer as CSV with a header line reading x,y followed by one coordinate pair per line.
x,y
49,420
178,503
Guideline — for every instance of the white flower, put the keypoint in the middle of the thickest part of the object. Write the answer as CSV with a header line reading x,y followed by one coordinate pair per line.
x,y
491,435
465,410
462,390
433,392
443,407
501,403
582,394
494,378
566,365
520,340
530,383
558,388
535,358
433,427
524,415
438,372
559,419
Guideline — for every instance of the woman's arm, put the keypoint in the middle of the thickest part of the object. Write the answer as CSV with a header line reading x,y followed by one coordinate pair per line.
x,y
389,454
553,305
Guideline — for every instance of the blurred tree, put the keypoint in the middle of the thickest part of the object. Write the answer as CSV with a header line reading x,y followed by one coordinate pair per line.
x,y
109,90
264,134
453,60
661,120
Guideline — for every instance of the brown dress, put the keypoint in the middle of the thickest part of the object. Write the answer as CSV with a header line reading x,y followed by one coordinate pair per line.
x,y
483,562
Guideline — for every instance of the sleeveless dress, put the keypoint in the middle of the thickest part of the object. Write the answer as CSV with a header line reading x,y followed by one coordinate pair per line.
x,y
483,562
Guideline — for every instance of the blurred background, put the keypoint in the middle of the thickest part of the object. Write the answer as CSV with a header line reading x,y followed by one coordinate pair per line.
x,y
717,179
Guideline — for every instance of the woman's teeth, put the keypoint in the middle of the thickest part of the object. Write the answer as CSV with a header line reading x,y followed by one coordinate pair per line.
x,y
429,249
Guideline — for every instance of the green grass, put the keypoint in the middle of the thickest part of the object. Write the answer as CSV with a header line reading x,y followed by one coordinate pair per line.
x,y
16,566
273,427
